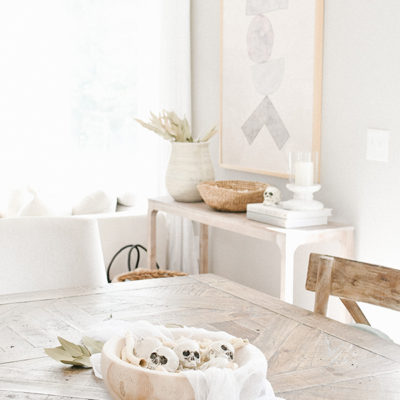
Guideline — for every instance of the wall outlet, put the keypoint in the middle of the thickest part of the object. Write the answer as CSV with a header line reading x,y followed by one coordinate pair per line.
x,y
378,145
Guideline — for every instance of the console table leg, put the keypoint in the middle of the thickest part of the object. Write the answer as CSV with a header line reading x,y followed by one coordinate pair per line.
x,y
287,269
203,249
151,239
347,242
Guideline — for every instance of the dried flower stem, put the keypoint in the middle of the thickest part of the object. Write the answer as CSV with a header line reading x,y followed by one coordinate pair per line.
x,y
170,127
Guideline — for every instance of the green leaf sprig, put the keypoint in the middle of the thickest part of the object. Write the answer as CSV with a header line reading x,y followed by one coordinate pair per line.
x,y
75,354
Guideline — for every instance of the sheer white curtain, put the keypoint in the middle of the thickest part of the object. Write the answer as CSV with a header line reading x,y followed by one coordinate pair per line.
x,y
176,95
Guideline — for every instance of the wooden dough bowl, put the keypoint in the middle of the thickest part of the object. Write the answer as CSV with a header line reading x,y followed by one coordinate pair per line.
x,y
128,382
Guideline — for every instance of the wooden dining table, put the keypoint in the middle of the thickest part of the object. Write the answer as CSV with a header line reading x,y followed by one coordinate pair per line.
x,y
310,356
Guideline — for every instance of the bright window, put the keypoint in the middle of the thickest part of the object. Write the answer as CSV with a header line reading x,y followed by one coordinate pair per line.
x,y
73,74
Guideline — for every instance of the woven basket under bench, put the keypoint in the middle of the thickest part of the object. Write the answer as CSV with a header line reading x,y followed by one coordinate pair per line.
x,y
141,274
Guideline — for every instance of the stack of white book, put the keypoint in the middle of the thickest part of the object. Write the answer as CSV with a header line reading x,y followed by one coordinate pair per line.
x,y
278,216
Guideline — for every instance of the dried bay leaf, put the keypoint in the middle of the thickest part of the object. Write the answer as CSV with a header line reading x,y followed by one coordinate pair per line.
x,y
58,354
85,351
73,349
74,354
94,346
83,362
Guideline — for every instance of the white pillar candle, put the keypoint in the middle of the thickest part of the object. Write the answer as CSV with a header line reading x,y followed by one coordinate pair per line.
x,y
304,173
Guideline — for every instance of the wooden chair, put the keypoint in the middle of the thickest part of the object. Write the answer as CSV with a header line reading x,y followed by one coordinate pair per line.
x,y
352,281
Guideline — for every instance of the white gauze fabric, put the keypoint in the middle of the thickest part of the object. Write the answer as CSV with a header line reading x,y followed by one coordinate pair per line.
x,y
247,382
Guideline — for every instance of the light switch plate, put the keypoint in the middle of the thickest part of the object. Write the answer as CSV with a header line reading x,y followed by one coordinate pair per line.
x,y
378,145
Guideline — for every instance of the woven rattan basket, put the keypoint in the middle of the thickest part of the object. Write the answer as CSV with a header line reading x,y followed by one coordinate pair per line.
x,y
141,274
231,195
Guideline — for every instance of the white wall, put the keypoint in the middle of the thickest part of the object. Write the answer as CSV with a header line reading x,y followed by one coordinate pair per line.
x,y
361,90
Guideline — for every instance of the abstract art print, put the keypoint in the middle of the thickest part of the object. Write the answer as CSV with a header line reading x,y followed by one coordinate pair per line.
x,y
271,78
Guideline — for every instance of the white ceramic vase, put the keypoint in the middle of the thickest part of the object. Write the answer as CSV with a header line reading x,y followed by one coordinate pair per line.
x,y
189,164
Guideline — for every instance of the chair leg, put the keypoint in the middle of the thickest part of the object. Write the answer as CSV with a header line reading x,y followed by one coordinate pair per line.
x,y
323,286
355,311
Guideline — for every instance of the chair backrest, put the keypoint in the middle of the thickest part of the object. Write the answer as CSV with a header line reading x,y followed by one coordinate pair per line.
x,y
44,253
352,281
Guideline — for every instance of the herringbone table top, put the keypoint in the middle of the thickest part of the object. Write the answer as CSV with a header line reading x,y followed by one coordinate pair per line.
x,y
310,357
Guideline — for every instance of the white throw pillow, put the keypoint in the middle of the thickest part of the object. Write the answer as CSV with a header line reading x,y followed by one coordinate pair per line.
x,y
96,203
37,207
41,205
127,199
17,200
121,208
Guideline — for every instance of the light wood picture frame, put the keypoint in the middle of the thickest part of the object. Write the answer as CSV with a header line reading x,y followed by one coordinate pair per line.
x,y
271,83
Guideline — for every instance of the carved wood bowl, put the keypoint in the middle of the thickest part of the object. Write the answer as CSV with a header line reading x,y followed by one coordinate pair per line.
x,y
125,381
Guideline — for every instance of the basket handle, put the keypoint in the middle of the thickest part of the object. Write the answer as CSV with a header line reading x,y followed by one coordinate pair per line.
x,y
132,247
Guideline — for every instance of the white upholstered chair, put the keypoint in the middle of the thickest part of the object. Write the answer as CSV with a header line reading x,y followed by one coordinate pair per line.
x,y
44,253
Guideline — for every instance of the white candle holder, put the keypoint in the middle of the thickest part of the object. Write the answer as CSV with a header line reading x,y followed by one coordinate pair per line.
x,y
303,198
303,182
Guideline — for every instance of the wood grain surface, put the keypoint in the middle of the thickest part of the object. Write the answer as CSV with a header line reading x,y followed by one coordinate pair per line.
x,y
310,356
352,281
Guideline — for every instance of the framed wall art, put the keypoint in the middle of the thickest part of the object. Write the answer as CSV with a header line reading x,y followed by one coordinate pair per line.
x,y
271,82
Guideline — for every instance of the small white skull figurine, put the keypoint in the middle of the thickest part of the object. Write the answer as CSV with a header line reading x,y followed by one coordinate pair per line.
x,y
163,358
145,346
272,196
188,352
221,349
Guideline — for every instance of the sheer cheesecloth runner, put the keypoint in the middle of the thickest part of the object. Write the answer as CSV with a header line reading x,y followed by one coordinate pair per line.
x,y
245,383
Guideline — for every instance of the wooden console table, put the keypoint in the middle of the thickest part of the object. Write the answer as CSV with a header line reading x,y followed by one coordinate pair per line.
x,y
288,240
